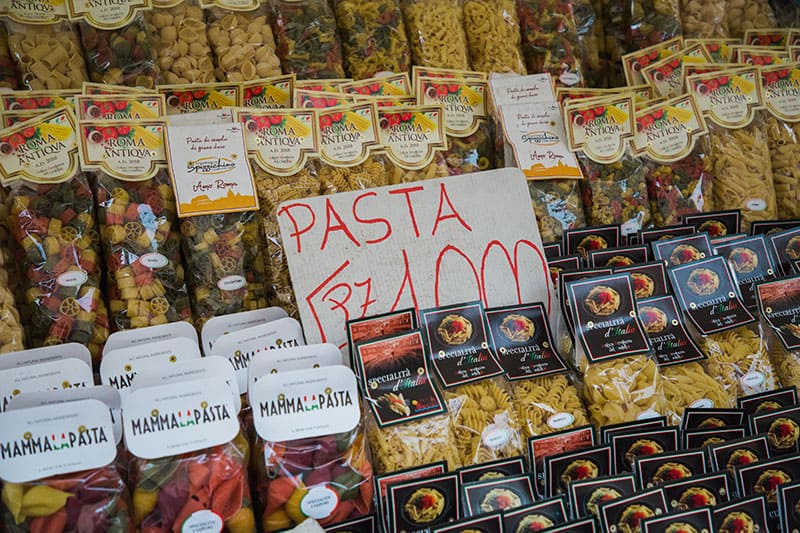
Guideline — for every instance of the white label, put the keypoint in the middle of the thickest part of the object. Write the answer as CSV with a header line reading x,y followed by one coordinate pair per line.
x,y
204,521
222,325
153,260
497,438
560,420
532,89
232,283
702,403
177,418
753,379
299,358
202,118
240,347
569,78
756,204
73,278
305,403
648,414
54,375
319,503
135,337
46,354
55,439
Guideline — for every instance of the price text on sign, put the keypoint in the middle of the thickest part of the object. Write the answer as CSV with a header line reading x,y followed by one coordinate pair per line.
x,y
420,244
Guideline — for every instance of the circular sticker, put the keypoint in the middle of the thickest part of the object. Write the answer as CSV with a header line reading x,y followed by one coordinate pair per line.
x,y
560,420
702,403
153,260
73,278
753,379
647,414
319,503
497,438
231,283
756,204
204,521
569,78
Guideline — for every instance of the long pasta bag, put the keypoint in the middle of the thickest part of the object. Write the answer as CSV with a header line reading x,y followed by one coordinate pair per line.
x,y
58,470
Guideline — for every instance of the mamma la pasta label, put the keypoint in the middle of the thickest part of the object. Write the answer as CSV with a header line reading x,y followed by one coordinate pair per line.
x,y
279,141
464,102
347,135
126,150
35,11
601,129
667,132
729,97
270,93
781,85
192,99
106,14
411,136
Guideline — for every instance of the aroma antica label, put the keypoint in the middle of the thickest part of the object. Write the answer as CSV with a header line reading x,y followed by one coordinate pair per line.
x,y
600,129
279,141
129,151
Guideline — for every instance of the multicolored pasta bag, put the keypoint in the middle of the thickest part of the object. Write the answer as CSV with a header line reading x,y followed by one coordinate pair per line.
x,y
323,473
139,230
493,36
732,103
436,33
591,42
52,220
652,22
550,39
778,310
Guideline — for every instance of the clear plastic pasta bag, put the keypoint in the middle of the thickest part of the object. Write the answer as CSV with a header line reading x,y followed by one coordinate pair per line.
x,y
307,39
784,150
616,16
48,57
374,172
704,19
591,41
141,242
8,75
413,443
652,22
550,39
689,385
558,206
11,333
547,404
785,363
684,187
243,44
472,153
493,36
374,37
436,33
743,15
437,169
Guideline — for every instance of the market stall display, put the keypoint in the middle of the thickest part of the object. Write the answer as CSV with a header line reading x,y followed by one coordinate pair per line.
x,y
243,44
436,33
493,36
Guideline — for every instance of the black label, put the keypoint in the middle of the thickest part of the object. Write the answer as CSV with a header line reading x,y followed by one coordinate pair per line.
x,y
708,297
627,514
699,491
764,402
700,438
567,277
537,517
365,524
692,520
582,525
663,325
490,523
716,224
619,257
586,496
459,344
383,481
789,507
417,506
769,227
607,433
521,335
386,325
740,452
670,232
648,279
701,417
717,241
746,514
751,263
582,241
764,477
786,247
562,469
552,250
497,495
561,264
606,319
543,446
682,250
782,428
779,303
660,469
396,379
500,468
629,446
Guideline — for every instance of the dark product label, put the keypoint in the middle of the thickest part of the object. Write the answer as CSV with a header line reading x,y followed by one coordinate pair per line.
x,y
497,495
663,324
582,525
782,428
693,520
500,468
521,335
770,227
786,247
417,506
779,303
606,319
396,380
629,446
700,438
789,507
750,262
747,514
564,297
552,250
660,469
764,402
459,344
537,517
585,240
682,250
708,296
701,418
382,483
585,496
717,224
627,514
717,241
619,257
564,468
699,491
543,446
561,264
648,279
491,523
366,524
670,232
764,477
740,452
608,432
367,329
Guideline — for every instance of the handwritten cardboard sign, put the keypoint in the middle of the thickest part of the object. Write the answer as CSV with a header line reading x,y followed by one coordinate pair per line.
x,y
422,245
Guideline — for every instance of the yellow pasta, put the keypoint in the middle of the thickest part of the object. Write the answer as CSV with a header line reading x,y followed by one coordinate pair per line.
x,y
786,365
437,169
243,45
704,19
374,172
784,149
688,383
412,444
539,400
493,36
181,45
48,57
743,15
436,33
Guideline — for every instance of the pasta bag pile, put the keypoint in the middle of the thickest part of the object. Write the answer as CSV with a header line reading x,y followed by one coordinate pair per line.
x,y
436,33
652,22
493,36
739,142
591,42
12,335
778,302
8,74
550,39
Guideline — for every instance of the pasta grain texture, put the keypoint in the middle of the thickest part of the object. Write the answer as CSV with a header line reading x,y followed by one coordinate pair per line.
x,y
436,33
538,400
784,150
493,36
558,206
687,383
179,39
412,444
243,44
47,57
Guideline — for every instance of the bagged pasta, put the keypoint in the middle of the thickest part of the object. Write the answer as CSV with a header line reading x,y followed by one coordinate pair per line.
x,y
139,230
739,144
328,462
616,15
550,39
52,219
669,136
469,131
614,190
11,333
777,303
743,15
374,37
436,33
8,74
493,36
591,42
243,43
728,334
307,39
621,381
558,206
652,22
183,54
544,397
478,400
704,19
414,141
44,492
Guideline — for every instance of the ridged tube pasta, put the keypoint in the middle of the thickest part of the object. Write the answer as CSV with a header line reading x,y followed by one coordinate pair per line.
x,y
47,57
412,444
436,33
493,36
623,389
687,383
537,400
784,149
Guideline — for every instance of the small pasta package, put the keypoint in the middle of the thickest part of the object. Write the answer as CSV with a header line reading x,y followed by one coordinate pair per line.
x,y
550,39
139,230
544,397
686,382
218,206
58,470
493,36
666,76
478,399
652,22
414,140
466,112
436,33
615,189
8,74
52,220
242,40
724,328
189,459
669,137
374,37
751,262
731,101
315,462
634,62
282,146
744,15
779,310
184,99
621,380
409,425
307,38
269,93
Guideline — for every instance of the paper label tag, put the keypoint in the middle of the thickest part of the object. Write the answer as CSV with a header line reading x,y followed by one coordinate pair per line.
x,y
222,325
38,100
531,89
634,62
35,11
667,132
279,141
55,439
204,521
59,374
464,102
412,135
666,76
305,403
129,151
182,99
177,418
209,169
782,91
138,336
347,134
664,326
777,301
46,354
394,85
270,93
728,98
600,129
290,359
119,106
106,14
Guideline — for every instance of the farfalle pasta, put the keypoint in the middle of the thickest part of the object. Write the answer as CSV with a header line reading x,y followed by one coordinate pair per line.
x,y
413,443
436,33
243,44
493,36
47,57
538,400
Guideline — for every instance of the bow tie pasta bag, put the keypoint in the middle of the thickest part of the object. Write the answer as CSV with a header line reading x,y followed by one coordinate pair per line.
x,y
139,230
732,103
621,380
723,327
315,461
436,33
58,471
189,460
779,310
52,220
